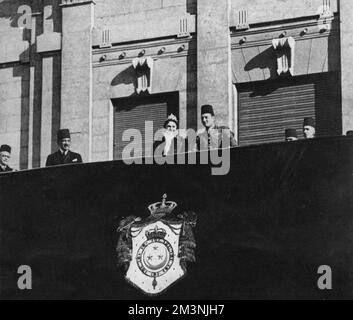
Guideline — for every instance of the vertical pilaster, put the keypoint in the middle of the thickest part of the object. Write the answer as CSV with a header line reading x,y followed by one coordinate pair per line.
x,y
47,103
50,85
346,14
76,74
35,103
214,81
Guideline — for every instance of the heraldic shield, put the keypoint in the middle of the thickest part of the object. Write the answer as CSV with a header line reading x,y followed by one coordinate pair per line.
x,y
154,251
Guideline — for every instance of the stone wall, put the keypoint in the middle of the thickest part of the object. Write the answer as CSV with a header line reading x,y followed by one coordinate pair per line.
x,y
52,75
314,51
172,72
30,76
347,64
113,8
260,11
14,117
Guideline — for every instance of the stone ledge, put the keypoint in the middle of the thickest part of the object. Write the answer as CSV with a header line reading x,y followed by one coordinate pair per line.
x,y
181,25
49,42
69,3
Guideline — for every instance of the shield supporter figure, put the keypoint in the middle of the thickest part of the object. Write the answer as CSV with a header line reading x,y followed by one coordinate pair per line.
x,y
154,251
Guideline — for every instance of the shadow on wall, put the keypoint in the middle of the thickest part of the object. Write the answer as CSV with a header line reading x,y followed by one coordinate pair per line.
x,y
191,90
191,6
264,60
269,87
9,8
126,77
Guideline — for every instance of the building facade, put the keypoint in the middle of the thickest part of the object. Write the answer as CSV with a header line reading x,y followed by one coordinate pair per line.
x,y
101,67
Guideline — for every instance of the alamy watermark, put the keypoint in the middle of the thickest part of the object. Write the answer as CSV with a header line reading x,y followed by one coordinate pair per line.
x,y
24,282
25,20
325,280
142,149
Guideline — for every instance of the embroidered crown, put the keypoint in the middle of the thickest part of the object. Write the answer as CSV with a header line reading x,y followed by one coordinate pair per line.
x,y
162,208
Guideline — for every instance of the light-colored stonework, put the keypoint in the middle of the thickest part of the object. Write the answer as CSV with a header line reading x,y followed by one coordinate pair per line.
x,y
78,55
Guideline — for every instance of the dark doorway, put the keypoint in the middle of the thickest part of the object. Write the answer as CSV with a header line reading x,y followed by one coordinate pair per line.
x,y
133,112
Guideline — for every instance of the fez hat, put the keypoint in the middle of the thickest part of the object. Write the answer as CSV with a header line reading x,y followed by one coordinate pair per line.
x,y
207,109
5,148
63,134
291,133
349,133
309,122
171,118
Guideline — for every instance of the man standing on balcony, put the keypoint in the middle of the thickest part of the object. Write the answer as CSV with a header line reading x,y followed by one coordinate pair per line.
x,y
291,135
63,155
309,128
5,155
213,136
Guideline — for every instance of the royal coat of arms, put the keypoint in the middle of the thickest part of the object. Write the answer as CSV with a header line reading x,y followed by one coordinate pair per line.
x,y
154,251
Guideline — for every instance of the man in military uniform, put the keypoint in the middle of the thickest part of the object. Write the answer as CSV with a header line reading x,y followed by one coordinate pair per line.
x,y
63,155
309,128
5,155
213,136
291,134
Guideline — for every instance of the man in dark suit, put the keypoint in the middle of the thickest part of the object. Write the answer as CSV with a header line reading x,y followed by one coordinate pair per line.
x,y
63,155
5,155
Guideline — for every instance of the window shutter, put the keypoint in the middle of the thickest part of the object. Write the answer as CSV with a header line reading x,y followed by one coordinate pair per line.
x,y
267,108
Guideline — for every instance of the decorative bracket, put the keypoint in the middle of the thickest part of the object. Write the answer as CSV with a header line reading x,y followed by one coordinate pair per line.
x,y
144,71
243,23
106,39
326,16
183,28
66,3
285,50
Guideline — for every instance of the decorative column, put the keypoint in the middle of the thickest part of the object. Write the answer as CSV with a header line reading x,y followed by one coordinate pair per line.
x,y
76,73
214,80
346,14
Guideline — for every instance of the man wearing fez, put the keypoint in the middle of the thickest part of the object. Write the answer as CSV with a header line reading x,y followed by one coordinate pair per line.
x,y
291,134
309,128
63,155
212,135
5,155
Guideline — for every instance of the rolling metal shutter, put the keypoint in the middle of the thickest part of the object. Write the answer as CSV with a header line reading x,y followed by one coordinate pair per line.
x,y
267,108
132,114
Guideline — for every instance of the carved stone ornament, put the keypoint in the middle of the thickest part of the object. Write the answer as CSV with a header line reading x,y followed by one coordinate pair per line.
x,y
285,51
144,69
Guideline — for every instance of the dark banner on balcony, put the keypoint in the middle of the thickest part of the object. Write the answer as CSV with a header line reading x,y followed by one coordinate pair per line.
x,y
278,225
